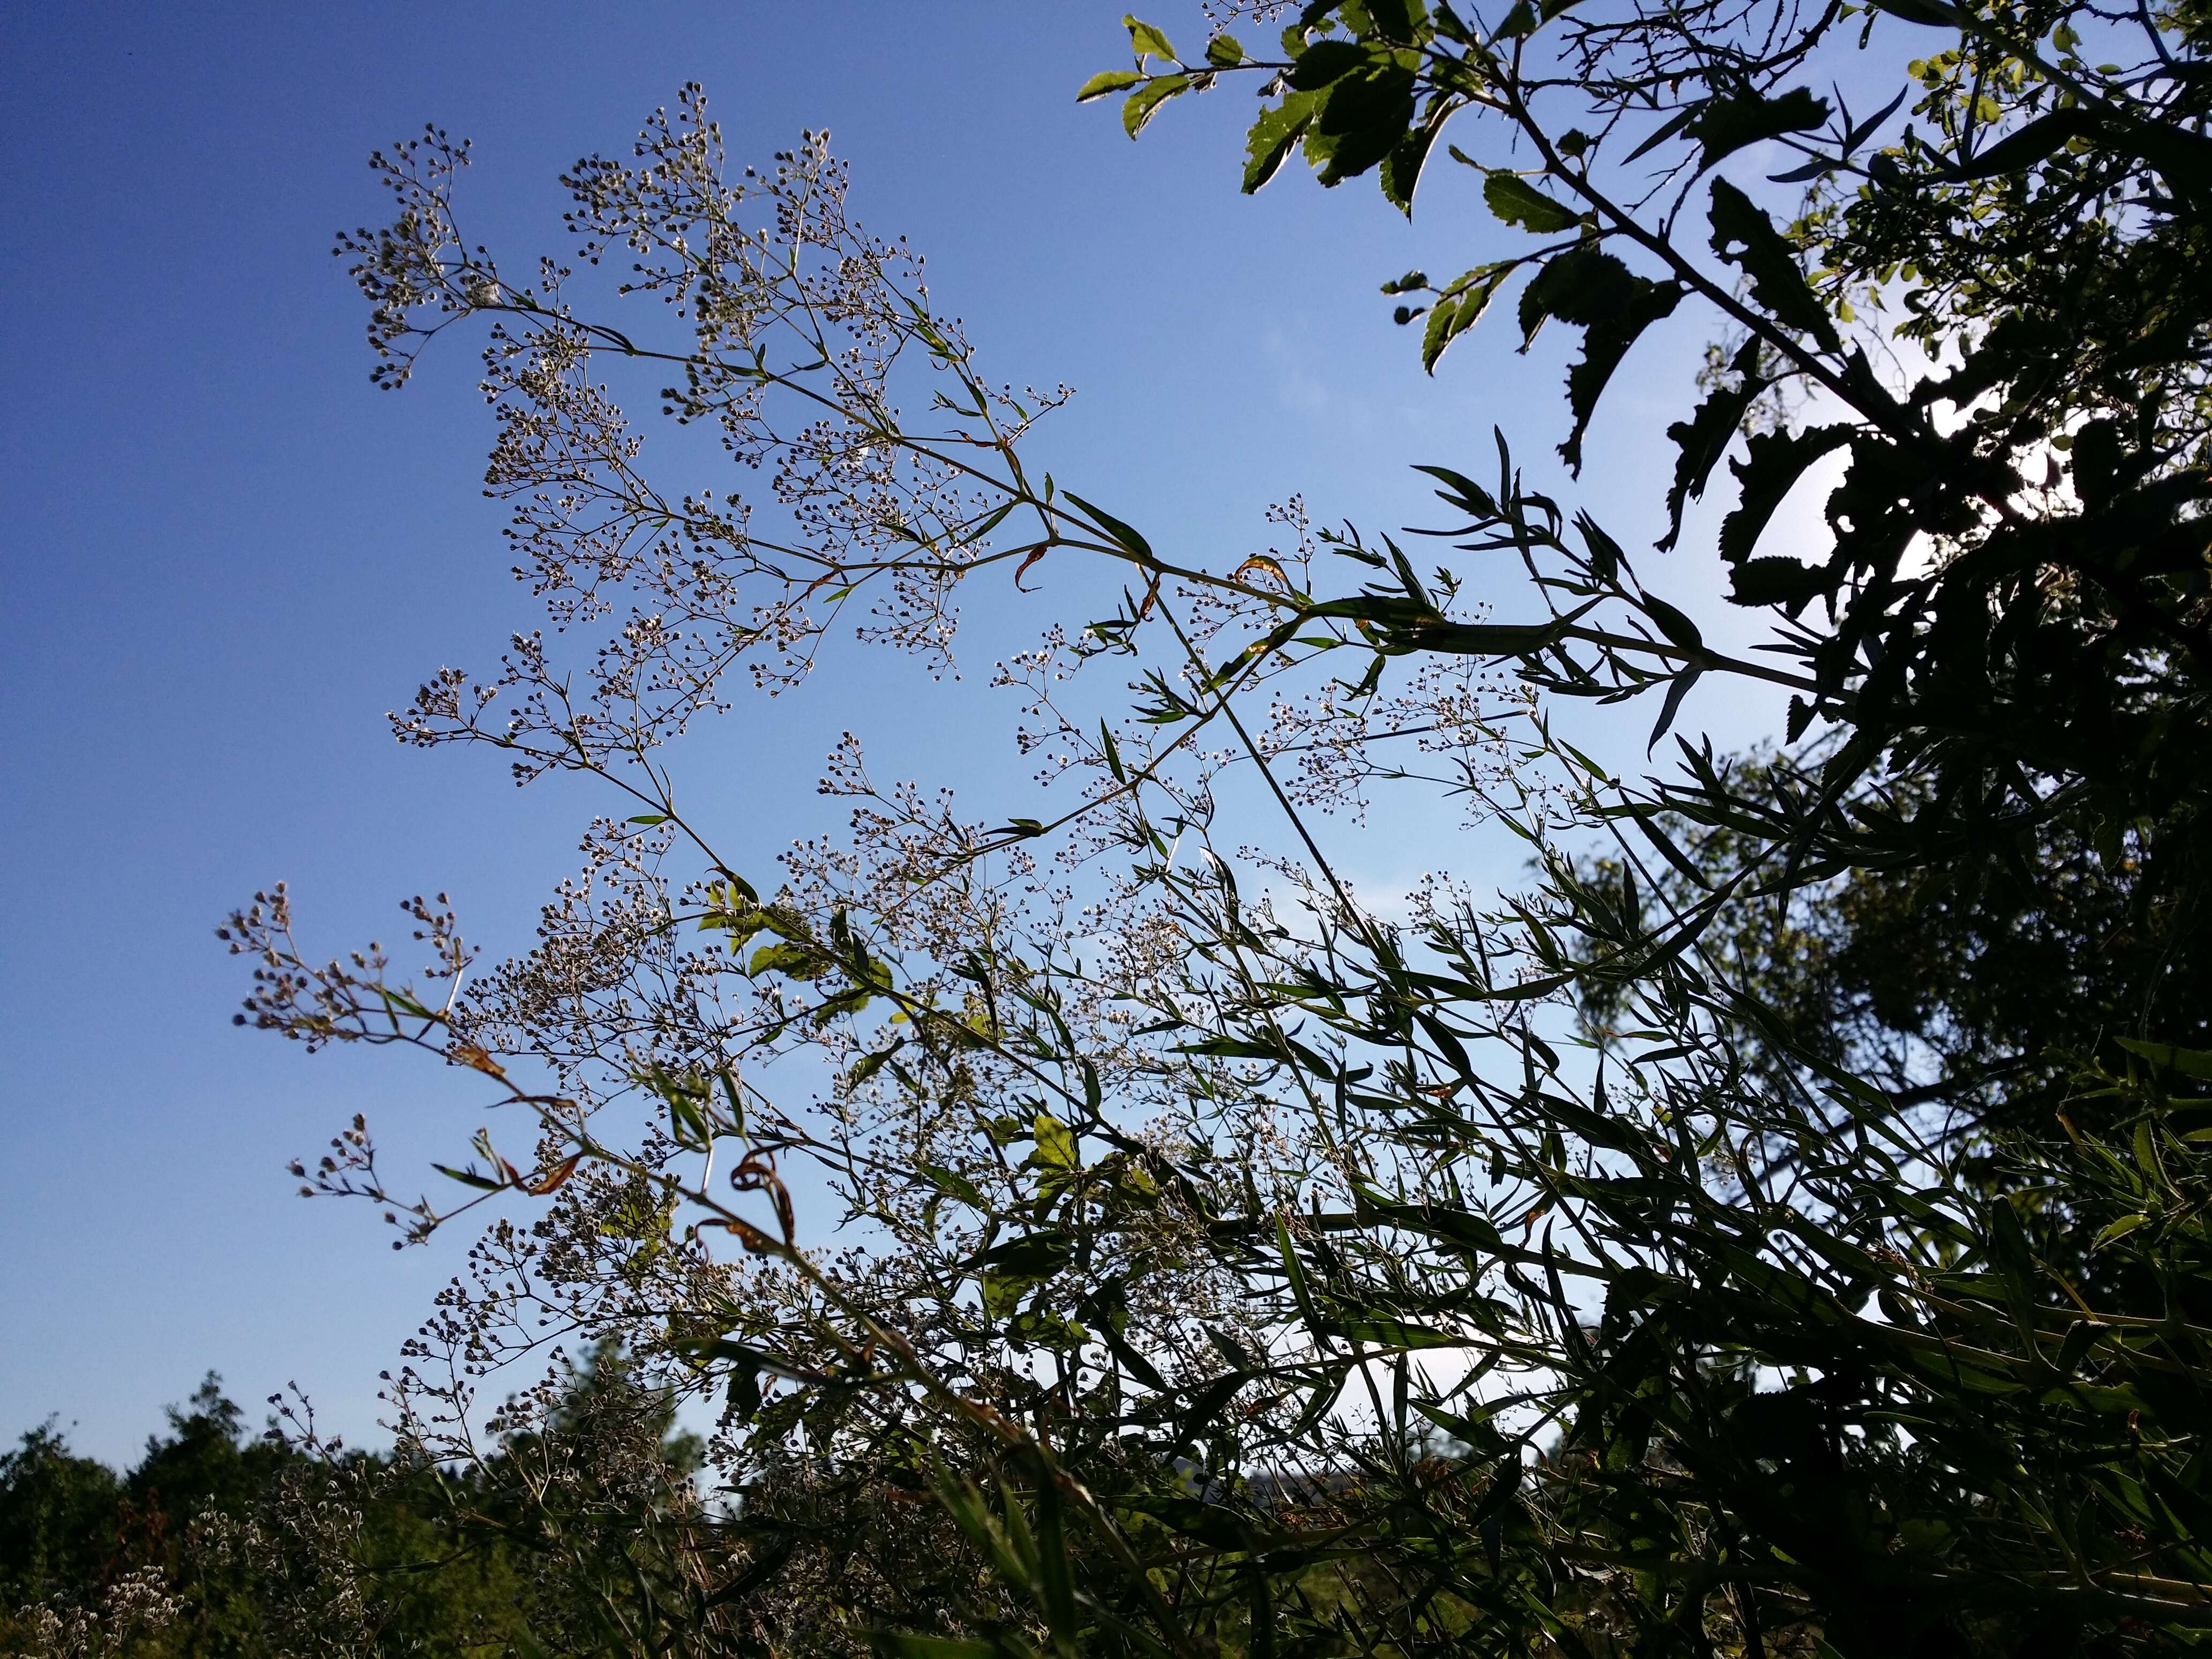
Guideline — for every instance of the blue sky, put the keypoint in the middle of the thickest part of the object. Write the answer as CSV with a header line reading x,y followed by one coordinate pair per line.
x,y
225,556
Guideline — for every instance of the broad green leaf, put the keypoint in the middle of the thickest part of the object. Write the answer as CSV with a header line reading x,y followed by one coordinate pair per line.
x,y
1517,201
950,1182
1327,62
1105,81
1360,120
1275,135
788,957
1460,306
1056,1143
1147,41
1137,109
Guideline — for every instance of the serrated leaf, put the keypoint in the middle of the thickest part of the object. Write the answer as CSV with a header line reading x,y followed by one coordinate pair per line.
x,y
1515,200
952,1181
1701,440
786,956
1275,135
1461,307
1744,236
1138,107
1056,1144
1770,470
1789,583
1147,41
1327,62
1224,51
1402,168
1359,121
1596,292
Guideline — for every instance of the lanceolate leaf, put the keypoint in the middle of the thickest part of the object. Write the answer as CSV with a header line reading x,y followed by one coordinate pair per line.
x,y
1105,81
2018,150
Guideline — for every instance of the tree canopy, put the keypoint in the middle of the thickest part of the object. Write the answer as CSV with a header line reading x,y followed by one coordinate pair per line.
x,y
1777,1227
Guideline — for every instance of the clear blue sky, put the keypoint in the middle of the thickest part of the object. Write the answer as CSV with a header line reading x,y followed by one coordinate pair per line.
x,y
223,556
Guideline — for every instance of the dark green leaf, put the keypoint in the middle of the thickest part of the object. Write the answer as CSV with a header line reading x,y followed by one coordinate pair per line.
x,y
1772,464
1275,135
1597,293
1517,201
1744,236
1459,307
1704,437
1137,109
2189,1062
1728,125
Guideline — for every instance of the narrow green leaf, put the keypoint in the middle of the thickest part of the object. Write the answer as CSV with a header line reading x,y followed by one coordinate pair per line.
x,y
2120,1230
2189,1062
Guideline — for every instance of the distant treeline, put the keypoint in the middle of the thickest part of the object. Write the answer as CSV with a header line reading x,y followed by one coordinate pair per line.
x,y
222,1544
